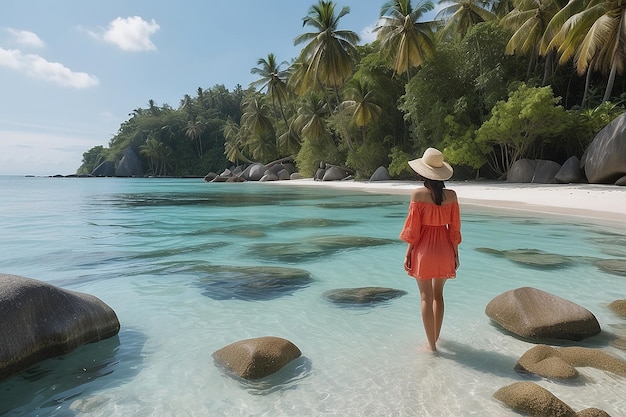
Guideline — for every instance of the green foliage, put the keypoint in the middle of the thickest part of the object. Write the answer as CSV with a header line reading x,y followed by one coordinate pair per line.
x,y
345,105
188,141
522,126
461,147
399,165
91,159
312,154
584,125
366,158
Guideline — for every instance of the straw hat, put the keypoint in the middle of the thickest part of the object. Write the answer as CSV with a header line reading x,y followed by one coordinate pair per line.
x,y
432,166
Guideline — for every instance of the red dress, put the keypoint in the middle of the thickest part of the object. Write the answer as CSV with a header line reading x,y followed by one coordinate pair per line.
x,y
433,230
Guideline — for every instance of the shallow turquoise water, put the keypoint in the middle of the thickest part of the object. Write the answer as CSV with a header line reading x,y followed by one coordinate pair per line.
x,y
149,248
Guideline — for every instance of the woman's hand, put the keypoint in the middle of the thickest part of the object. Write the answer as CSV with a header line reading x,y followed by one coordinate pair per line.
x,y
407,258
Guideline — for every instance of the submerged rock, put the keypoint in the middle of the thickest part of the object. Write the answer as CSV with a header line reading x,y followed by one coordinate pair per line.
x,y
256,358
251,283
314,247
363,295
612,266
537,315
41,321
536,258
530,257
619,307
314,223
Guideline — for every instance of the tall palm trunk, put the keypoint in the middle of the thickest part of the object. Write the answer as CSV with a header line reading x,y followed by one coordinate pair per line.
x,y
611,80
583,104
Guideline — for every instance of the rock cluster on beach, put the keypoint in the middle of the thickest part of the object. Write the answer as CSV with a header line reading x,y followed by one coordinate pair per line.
x,y
603,162
281,171
41,321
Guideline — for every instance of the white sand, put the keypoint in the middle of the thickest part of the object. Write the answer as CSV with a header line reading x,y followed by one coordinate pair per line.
x,y
604,203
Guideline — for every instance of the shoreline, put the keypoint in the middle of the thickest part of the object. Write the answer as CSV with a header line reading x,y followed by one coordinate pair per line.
x,y
605,204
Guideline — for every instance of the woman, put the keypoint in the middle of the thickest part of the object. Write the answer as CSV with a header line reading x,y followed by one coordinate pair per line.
x,y
433,232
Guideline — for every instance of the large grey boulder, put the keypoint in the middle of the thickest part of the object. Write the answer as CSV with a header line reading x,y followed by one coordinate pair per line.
x,y
284,174
256,358
381,174
570,172
537,315
537,171
41,321
268,176
254,172
335,173
545,172
130,165
522,170
604,160
105,169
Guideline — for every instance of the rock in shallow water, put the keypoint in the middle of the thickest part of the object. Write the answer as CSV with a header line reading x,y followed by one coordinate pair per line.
x,y
41,321
256,358
561,363
534,400
252,283
362,296
537,315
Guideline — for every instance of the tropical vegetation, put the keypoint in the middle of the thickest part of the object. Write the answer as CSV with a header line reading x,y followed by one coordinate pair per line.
x,y
488,82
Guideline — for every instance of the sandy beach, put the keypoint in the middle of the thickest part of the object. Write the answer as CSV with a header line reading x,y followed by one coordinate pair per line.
x,y
601,203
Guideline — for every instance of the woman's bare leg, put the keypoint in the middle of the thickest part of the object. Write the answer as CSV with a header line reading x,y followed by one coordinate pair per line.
x,y
428,318
438,305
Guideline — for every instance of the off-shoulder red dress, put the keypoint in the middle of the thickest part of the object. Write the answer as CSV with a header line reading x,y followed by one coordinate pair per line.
x,y
434,231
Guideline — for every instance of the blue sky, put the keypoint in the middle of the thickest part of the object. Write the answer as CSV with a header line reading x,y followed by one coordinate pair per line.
x,y
71,71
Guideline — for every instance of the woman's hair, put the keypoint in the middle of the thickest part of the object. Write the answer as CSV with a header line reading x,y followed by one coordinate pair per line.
x,y
436,188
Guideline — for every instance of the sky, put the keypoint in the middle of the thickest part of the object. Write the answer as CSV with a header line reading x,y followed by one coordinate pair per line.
x,y
71,71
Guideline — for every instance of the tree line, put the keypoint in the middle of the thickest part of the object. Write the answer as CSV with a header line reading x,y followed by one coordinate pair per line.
x,y
488,82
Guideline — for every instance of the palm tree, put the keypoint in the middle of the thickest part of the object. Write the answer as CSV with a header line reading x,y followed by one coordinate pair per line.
x,y
592,32
461,15
258,128
234,142
272,79
529,19
157,153
311,120
329,53
194,131
407,41
361,105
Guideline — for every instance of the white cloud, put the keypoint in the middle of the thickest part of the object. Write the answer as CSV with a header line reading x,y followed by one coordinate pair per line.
x,y
368,35
131,34
37,67
26,38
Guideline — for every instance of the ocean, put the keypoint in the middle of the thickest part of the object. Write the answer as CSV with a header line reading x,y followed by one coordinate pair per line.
x,y
163,254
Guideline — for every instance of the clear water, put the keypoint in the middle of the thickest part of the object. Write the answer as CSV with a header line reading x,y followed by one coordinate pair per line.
x,y
146,247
